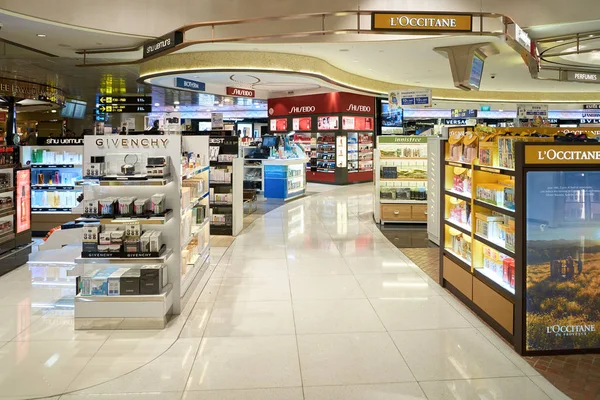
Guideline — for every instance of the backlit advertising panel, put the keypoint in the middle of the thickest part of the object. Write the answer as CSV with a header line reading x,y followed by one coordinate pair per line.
x,y
562,260
23,189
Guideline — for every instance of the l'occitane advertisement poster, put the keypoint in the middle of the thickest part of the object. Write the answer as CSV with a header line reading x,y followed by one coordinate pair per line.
x,y
562,260
23,200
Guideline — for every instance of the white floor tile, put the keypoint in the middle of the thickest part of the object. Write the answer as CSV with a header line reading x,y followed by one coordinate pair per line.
x,y
123,396
262,252
477,389
195,324
452,354
392,286
325,287
508,351
42,368
246,363
416,313
351,358
256,268
379,265
386,391
308,267
246,394
336,316
167,373
254,289
15,319
255,318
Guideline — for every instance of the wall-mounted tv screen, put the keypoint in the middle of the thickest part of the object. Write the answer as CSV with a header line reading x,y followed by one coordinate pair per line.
x,y
391,117
79,111
67,111
476,72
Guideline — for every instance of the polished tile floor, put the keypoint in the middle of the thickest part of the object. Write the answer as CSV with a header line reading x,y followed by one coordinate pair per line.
x,y
310,302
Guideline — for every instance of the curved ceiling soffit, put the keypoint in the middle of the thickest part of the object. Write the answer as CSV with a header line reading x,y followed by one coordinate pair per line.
x,y
256,61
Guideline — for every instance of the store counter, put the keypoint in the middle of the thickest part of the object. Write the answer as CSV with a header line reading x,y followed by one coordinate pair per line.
x,y
284,179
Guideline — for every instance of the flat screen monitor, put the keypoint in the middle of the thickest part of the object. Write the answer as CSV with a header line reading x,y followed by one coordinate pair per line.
x,y
79,111
476,72
67,111
391,117
269,141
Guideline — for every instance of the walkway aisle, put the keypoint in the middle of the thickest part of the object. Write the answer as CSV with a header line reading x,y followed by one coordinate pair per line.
x,y
311,302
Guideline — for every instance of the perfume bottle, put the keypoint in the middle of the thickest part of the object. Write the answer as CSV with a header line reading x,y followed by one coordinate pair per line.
x,y
23,216
40,178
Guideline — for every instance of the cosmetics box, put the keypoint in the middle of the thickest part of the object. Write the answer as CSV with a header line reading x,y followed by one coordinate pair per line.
x,y
151,279
158,161
133,230
103,248
140,206
130,283
126,205
100,281
155,241
186,197
132,246
158,203
90,207
114,282
116,237
144,245
105,238
85,282
158,172
90,238
106,206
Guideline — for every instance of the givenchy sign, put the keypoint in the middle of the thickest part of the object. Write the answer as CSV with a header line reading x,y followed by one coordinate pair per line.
x,y
232,91
132,143
422,22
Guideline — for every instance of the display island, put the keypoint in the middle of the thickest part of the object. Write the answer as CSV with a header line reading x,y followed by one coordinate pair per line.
x,y
519,235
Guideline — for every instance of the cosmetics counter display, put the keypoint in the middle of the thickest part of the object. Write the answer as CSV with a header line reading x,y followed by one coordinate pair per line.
x,y
253,169
56,164
285,179
15,211
146,233
401,179
518,232
334,129
226,186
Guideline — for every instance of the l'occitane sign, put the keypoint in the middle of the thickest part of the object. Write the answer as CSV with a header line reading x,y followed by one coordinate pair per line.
x,y
565,154
422,22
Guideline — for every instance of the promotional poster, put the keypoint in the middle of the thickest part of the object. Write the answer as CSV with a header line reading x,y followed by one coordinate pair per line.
x,y
563,260
23,200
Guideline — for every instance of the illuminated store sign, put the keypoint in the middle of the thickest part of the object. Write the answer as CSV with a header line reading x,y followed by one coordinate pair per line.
x,y
164,43
233,91
410,98
463,113
125,99
23,200
30,90
587,77
422,22
591,106
131,143
566,154
190,85
125,108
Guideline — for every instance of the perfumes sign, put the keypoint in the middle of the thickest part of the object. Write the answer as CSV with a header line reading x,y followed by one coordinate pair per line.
x,y
132,143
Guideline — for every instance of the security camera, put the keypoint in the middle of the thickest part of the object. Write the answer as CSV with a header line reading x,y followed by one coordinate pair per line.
x,y
493,76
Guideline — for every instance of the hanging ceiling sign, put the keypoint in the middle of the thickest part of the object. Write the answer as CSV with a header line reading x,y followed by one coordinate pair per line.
x,y
239,92
125,99
410,98
591,106
463,113
430,22
190,85
157,46
578,76
125,108
531,111
30,90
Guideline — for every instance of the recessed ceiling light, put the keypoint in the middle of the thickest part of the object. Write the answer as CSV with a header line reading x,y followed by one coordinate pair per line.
x,y
354,60
156,104
344,49
500,110
41,35
176,102
590,35
52,111
559,41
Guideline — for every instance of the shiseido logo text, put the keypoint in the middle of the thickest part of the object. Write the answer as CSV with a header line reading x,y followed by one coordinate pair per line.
x,y
358,108
157,46
242,92
303,109
132,143
569,155
570,330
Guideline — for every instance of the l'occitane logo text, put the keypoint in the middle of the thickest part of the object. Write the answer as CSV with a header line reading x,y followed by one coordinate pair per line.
x,y
568,155
570,330
405,21
132,143
302,109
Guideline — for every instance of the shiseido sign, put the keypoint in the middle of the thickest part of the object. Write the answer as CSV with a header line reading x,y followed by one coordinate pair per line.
x,y
163,43
302,110
358,108
233,91
322,104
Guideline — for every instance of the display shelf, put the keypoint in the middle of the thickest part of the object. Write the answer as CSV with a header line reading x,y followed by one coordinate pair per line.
x,y
492,207
150,220
7,213
458,226
458,195
220,183
7,190
404,180
460,261
35,166
50,209
196,230
53,187
7,166
220,163
458,164
404,158
494,245
149,260
6,237
388,201
194,268
494,170
145,182
494,281
195,172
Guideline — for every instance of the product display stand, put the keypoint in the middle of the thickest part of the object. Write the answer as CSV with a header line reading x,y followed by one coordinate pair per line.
x,y
156,249
226,186
56,164
401,179
518,235
434,188
285,179
15,211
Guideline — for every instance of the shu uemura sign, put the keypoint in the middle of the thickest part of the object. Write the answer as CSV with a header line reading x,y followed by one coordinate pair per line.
x,y
421,22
